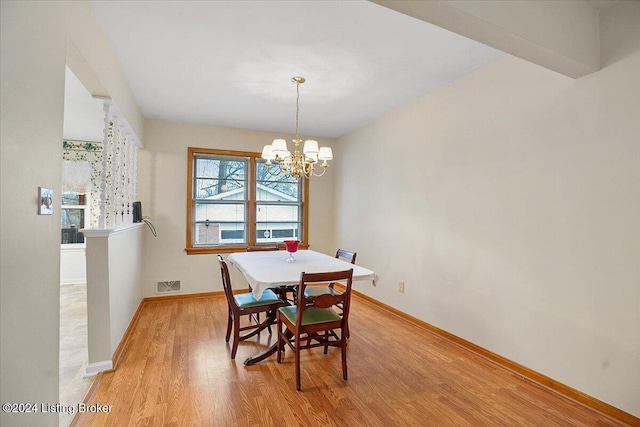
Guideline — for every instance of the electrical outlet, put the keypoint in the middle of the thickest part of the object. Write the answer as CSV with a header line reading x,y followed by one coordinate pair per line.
x,y
401,287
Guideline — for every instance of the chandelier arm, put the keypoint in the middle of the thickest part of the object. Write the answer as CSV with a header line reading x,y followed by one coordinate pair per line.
x,y
277,170
284,172
324,169
307,167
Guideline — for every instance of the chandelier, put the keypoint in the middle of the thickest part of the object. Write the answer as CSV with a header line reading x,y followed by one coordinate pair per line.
x,y
297,164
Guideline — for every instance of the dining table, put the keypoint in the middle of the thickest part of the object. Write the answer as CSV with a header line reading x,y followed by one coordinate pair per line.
x,y
276,269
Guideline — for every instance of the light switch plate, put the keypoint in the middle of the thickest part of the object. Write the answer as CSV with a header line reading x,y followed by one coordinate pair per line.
x,y
45,201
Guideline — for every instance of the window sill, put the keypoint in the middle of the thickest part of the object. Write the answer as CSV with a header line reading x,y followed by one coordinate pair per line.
x,y
228,249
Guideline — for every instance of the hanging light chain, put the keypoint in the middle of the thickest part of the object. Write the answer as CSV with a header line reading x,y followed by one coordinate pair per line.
x,y
297,104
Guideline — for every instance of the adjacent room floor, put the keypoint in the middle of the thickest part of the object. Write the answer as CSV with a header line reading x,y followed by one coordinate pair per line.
x,y
73,347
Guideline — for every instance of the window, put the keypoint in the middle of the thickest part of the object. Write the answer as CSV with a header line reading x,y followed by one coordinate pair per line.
x,y
74,211
233,201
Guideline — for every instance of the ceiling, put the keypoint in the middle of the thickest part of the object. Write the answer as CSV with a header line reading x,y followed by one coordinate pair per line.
x,y
230,63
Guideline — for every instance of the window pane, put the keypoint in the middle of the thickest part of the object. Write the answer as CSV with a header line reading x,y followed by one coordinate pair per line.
x,y
220,177
221,167
219,233
72,217
262,173
73,198
277,187
72,222
219,189
277,232
220,180
223,212
273,191
277,213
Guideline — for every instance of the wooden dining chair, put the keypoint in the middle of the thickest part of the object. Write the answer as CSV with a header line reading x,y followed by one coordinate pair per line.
x,y
314,291
246,305
314,323
283,291
324,288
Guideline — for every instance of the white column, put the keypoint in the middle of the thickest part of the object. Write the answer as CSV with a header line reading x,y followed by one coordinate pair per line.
x,y
112,174
135,172
118,181
130,181
102,221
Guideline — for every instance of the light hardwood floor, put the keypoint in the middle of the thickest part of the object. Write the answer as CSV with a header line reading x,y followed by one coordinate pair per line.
x,y
176,371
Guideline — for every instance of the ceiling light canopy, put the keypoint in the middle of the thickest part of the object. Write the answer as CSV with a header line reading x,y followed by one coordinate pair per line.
x,y
298,164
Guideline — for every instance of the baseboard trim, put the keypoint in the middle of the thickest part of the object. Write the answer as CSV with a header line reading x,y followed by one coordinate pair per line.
x,y
88,397
94,369
523,371
182,296
117,355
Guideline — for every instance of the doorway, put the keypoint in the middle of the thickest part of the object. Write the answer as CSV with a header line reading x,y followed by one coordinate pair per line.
x,y
82,142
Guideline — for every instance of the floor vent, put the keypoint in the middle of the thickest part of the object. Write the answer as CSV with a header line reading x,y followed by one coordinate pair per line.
x,y
168,287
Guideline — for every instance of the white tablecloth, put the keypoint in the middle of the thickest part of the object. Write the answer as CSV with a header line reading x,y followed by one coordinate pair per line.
x,y
265,269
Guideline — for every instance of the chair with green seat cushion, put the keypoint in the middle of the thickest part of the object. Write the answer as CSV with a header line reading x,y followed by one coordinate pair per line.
x,y
315,291
314,322
246,305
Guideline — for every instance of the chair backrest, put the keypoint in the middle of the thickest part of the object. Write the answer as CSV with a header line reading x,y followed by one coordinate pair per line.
x,y
255,248
325,300
226,282
347,255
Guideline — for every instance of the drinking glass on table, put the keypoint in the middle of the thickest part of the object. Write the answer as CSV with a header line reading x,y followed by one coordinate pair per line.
x,y
292,247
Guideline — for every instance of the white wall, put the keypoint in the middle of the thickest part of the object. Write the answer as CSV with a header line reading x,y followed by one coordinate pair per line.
x,y
114,290
163,186
34,38
32,75
125,279
510,206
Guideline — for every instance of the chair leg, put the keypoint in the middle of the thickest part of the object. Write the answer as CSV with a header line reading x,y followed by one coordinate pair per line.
x,y
343,349
229,323
236,336
280,340
326,341
346,328
297,353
